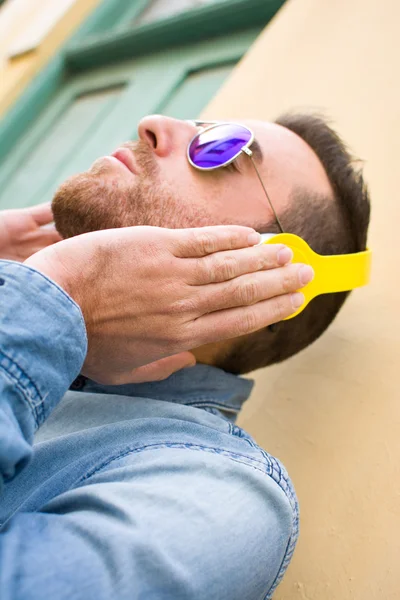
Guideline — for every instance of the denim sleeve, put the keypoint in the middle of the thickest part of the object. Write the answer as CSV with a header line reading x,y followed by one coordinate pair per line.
x,y
183,511
42,348
162,522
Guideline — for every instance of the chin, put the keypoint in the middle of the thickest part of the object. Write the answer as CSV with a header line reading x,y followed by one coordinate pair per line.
x,y
83,204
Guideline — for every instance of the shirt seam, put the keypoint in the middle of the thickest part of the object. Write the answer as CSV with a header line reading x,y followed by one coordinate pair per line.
x,y
281,482
269,468
157,445
189,400
212,404
36,408
286,487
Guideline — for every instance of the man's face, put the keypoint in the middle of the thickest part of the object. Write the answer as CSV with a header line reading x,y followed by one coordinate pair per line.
x,y
150,182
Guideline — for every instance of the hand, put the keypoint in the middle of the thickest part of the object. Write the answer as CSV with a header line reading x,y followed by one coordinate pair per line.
x,y
24,231
148,293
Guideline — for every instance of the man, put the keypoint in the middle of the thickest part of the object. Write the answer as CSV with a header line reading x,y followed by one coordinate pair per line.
x,y
311,183
151,491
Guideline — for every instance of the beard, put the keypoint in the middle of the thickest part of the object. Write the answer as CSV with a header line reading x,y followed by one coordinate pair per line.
x,y
99,199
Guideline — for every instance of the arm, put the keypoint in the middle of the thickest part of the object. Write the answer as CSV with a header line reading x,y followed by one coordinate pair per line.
x,y
171,309
195,517
84,543
184,521
42,349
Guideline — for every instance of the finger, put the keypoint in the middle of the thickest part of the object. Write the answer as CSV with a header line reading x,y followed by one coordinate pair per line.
x,y
37,243
41,237
200,241
253,288
161,369
222,266
235,322
49,234
42,213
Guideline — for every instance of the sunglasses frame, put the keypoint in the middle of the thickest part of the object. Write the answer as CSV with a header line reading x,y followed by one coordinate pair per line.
x,y
245,149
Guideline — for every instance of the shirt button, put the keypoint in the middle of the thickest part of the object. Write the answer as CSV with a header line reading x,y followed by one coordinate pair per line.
x,y
78,383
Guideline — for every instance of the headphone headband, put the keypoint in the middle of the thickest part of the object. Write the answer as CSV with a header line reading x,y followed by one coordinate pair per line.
x,y
334,273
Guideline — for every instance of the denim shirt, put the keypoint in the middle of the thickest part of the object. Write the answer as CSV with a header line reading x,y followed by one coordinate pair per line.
x,y
146,491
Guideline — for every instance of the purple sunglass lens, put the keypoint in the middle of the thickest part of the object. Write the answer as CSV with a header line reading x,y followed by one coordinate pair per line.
x,y
218,145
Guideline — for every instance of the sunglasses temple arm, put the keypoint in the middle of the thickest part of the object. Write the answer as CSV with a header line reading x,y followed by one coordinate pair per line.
x,y
250,155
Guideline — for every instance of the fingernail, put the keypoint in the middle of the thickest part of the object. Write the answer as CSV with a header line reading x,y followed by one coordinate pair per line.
x,y
297,300
254,238
306,274
285,255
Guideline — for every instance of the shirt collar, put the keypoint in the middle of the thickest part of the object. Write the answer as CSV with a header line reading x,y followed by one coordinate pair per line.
x,y
195,385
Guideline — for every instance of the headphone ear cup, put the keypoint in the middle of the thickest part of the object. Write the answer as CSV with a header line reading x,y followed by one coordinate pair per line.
x,y
302,253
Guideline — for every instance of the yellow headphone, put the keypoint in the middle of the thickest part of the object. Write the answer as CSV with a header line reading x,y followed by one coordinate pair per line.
x,y
337,273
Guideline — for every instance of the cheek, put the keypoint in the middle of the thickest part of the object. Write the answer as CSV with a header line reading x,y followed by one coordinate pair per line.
x,y
222,196
185,184
237,199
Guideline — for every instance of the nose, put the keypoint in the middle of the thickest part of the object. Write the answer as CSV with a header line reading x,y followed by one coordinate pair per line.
x,y
165,135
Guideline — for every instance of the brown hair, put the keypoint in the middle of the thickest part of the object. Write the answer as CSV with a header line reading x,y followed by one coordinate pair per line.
x,y
329,227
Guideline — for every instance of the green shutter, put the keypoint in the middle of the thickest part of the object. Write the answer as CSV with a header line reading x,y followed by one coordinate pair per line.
x,y
58,146
195,92
96,110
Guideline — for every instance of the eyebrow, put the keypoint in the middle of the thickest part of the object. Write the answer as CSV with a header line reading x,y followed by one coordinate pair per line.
x,y
257,152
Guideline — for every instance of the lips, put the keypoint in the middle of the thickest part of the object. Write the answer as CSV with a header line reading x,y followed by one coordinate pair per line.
x,y
125,156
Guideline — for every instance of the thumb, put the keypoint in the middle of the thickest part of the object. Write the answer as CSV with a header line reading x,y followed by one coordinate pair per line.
x,y
161,369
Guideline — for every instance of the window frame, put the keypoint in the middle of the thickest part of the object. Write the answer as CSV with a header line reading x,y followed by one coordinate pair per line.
x,y
108,36
165,74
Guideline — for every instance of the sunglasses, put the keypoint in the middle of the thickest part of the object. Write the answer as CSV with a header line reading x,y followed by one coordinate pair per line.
x,y
217,145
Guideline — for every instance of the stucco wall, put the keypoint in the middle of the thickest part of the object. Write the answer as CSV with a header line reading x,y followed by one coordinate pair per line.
x,y
332,414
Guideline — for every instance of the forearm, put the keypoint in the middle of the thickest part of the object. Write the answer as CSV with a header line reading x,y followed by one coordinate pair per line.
x,y
42,349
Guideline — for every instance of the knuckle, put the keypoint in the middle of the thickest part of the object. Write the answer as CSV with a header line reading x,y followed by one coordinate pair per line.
x,y
191,242
234,239
206,242
289,280
261,262
221,270
183,306
202,271
247,323
247,292
280,309
269,256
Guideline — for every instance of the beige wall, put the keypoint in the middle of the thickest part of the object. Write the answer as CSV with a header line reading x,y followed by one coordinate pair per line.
x,y
31,32
333,413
